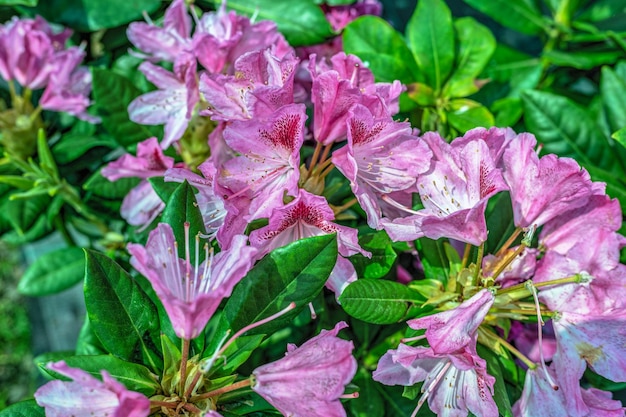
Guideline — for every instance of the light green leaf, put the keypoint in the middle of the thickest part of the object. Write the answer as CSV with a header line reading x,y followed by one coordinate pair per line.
x,y
476,45
520,15
431,39
382,259
28,408
381,48
113,190
612,88
53,272
73,146
467,114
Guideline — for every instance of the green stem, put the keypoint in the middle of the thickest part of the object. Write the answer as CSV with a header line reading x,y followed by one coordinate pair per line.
x,y
568,280
508,346
59,224
479,262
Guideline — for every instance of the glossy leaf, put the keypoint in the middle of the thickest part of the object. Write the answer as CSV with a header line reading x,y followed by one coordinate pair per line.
x,y
102,187
383,256
476,45
382,48
296,272
237,353
301,21
134,376
163,189
599,10
430,37
566,129
467,114
92,15
583,60
53,272
71,147
28,408
180,208
612,87
112,94
374,405
24,213
88,343
378,301
121,314
520,15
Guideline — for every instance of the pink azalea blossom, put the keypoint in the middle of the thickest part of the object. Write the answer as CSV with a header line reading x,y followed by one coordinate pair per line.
x,y
542,188
454,192
309,380
262,83
141,205
382,156
309,215
173,104
86,396
454,329
190,293
597,341
165,43
269,162
28,49
454,383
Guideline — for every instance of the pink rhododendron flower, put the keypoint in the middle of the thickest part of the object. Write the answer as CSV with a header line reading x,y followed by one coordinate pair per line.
x,y
382,156
86,396
519,270
542,188
454,329
454,383
269,162
141,205
454,192
165,43
309,380
539,397
174,102
190,293
340,16
600,403
309,215
597,341
262,83
28,49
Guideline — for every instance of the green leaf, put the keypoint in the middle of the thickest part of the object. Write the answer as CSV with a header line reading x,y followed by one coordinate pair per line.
x,y
53,272
620,136
73,146
382,48
378,301
296,272
476,45
583,60
163,189
467,114
612,88
114,190
507,111
499,215
180,208
371,403
513,67
23,213
238,352
520,15
383,256
88,343
122,316
301,21
92,15
28,408
568,130
431,39
434,259
135,377
599,10
112,94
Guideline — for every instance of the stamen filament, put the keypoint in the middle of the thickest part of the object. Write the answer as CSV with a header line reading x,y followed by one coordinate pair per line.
x,y
355,394
316,154
183,364
340,209
413,339
237,385
466,254
509,242
540,323
394,203
431,387
507,345
504,263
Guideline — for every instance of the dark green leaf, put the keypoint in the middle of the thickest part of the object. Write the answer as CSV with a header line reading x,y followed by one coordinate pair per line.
x,y
612,87
23,213
434,259
301,21
53,272
88,343
163,189
296,272
39,229
72,147
28,408
238,352
431,39
615,186
521,15
102,187
382,48
120,313
383,256
467,114
507,111
583,60
112,94
92,15
180,208
370,403
378,301
599,10
476,45
134,376
568,130
500,224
